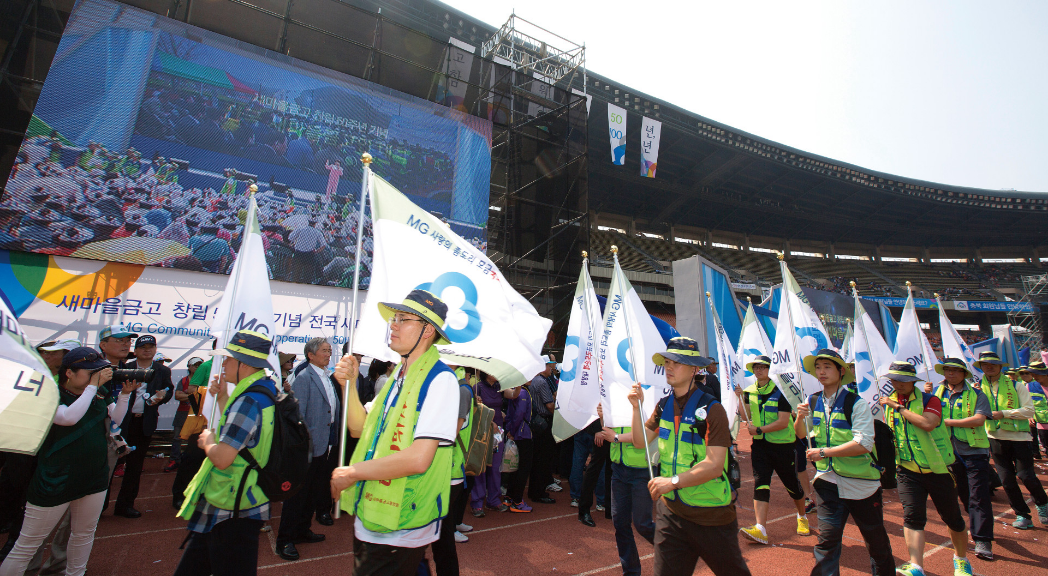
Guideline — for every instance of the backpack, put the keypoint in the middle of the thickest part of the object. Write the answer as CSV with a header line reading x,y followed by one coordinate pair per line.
x,y
289,457
883,445
476,456
734,472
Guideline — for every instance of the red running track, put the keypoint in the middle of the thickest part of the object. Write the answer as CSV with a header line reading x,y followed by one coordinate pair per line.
x,y
552,541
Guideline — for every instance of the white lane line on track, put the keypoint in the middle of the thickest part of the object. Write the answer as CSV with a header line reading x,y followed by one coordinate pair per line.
x,y
599,570
522,523
949,543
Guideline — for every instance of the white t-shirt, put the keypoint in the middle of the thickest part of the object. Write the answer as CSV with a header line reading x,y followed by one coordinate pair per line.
x,y
437,420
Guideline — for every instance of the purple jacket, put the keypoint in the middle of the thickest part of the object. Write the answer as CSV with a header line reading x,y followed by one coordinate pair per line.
x,y
492,398
518,416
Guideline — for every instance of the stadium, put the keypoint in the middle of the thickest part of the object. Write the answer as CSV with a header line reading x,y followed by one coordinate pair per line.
x,y
134,130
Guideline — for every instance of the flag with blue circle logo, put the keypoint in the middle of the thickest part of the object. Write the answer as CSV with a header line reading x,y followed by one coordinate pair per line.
x,y
798,333
579,390
753,342
953,346
912,344
872,358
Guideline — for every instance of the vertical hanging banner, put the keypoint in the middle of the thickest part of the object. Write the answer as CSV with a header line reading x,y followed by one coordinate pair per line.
x,y
617,133
459,66
649,147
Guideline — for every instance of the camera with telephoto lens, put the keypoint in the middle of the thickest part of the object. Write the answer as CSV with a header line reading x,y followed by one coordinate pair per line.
x,y
121,375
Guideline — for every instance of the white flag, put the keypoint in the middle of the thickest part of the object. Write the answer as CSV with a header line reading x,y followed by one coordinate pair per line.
x,y
872,358
490,325
649,147
728,367
912,345
579,391
846,351
753,342
617,134
28,393
953,346
798,333
626,321
247,303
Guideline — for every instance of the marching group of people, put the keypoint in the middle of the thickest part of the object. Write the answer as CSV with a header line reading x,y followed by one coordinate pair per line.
x,y
410,432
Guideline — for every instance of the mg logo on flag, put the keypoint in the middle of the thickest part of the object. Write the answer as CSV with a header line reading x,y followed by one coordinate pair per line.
x,y
460,295
814,334
863,365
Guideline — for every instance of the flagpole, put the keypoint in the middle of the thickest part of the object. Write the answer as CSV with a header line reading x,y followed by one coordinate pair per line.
x,y
586,310
233,298
365,159
633,361
720,350
799,369
917,327
745,408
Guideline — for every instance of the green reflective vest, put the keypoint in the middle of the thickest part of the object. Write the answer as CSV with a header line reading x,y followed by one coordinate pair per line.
x,y
682,445
219,487
763,405
412,501
929,451
1006,398
959,408
1040,402
626,454
830,427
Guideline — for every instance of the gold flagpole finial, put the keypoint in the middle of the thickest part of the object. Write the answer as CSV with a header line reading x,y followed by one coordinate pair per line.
x,y
936,295
614,249
252,188
780,255
852,283
366,158
708,294
750,300
585,254
908,284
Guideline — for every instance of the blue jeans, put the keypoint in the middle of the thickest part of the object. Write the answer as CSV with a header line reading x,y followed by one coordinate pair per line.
x,y
630,499
869,518
583,448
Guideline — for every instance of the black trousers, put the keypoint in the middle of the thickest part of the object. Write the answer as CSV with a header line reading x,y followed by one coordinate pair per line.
x,y
600,459
541,465
296,517
868,514
322,495
516,481
1015,460
382,560
769,457
972,476
914,491
133,463
679,544
445,557
14,486
192,458
458,505
229,549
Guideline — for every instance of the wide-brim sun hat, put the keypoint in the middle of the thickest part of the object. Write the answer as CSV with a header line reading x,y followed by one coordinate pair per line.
x,y
424,305
1037,367
990,358
952,363
248,347
832,356
682,350
763,360
902,372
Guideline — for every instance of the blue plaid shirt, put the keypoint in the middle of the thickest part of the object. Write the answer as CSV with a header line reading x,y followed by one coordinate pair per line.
x,y
242,429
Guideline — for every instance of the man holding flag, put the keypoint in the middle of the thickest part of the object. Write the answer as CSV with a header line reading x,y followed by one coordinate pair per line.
x,y
695,510
399,479
771,426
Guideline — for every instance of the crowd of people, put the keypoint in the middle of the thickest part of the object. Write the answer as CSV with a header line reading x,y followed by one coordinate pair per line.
x,y
410,472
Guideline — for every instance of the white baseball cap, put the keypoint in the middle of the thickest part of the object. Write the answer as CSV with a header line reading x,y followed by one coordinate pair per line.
x,y
56,345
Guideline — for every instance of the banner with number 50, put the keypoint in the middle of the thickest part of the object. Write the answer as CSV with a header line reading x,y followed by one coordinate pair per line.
x,y
617,133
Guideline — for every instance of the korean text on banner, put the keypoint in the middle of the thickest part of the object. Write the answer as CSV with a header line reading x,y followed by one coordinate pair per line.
x,y
247,303
626,321
459,65
753,342
617,134
28,393
649,147
579,391
798,333
491,326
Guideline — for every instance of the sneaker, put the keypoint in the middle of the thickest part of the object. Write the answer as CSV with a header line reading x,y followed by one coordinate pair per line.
x,y
600,507
119,473
1022,523
802,527
460,538
574,502
501,507
984,550
171,466
908,569
1042,513
477,512
755,534
554,487
962,567
519,507
464,528
557,481
809,506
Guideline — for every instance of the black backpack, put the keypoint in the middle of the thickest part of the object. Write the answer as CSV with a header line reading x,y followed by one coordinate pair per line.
x,y
883,444
289,457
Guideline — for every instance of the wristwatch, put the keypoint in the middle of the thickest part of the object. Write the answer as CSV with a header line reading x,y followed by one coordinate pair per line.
x,y
616,438
674,480
822,452
759,431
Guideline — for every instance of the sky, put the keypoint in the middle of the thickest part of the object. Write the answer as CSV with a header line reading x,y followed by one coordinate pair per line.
x,y
949,92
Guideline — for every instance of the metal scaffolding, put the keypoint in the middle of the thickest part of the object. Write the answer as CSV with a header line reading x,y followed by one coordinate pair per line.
x,y
1027,315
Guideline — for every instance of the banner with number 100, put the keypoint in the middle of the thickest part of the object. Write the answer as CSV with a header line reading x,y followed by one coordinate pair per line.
x,y
617,133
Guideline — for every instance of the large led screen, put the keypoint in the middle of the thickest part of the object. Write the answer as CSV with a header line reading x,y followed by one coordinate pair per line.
x,y
149,132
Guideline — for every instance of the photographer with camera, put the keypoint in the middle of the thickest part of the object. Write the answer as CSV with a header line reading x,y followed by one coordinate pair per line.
x,y
142,415
72,471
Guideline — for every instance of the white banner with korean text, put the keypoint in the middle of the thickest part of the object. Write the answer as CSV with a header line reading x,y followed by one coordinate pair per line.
x,y
649,147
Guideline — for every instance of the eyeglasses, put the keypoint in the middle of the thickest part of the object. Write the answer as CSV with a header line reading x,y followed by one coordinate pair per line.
x,y
398,320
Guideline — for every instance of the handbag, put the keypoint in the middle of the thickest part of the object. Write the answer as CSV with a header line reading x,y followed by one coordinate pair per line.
x,y
511,457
